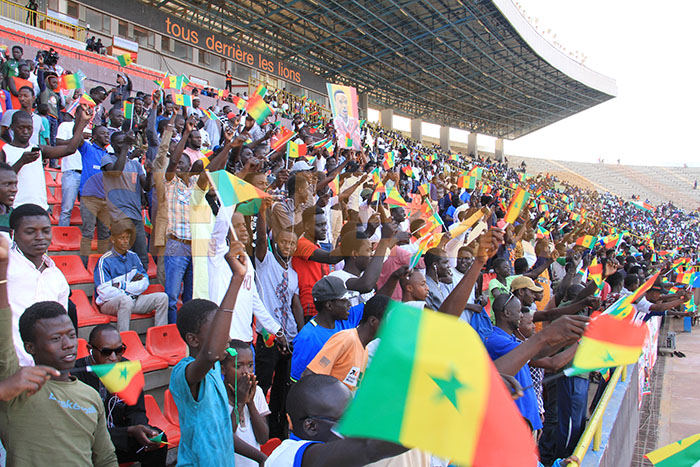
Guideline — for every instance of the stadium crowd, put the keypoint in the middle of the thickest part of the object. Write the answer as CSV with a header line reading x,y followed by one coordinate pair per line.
x,y
280,301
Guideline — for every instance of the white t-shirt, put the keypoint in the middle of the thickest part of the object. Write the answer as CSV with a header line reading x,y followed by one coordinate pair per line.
x,y
277,287
286,452
248,300
74,161
354,296
245,427
31,184
327,212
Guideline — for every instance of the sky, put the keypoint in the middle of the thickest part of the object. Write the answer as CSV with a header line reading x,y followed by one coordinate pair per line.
x,y
650,49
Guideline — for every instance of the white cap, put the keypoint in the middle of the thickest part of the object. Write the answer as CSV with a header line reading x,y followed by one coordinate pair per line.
x,y
300,166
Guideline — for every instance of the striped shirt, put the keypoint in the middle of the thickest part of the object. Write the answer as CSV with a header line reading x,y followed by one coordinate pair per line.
x,y
178,195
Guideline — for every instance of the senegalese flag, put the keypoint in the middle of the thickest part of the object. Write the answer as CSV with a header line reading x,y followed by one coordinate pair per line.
x,y
72,81
516,205
611,241
466,181
376,176
424,189
210,114
685,277
128,110
183,99
425,243
607,342
683,453
295,150
126,59
239,102
125,379
284,137
86,99
268,338
644,206
388,163
587,241
408,170
420,360
576,217
378,190
258,108
335,185
348,141
394,198
476,172
622,309
454,157
261,90
231,190
542,232
595,272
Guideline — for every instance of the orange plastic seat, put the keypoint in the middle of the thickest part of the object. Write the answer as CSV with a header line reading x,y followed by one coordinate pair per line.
x,y
82,348
136,351
52,199
165,342
157,419
50,182
87,315
65,239
72,267
270,446
170,409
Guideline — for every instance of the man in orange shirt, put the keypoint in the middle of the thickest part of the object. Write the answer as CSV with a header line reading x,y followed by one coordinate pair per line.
x,y
344,356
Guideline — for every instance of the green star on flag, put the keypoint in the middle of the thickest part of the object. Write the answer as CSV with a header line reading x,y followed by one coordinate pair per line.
x,y
449,387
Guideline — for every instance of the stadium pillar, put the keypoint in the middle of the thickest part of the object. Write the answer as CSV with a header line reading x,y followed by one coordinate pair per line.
x,y
471,144
363,104
499,150
417,129
386,118
445,138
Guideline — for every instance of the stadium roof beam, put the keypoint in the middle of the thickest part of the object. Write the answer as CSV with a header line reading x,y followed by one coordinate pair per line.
x,y
473,64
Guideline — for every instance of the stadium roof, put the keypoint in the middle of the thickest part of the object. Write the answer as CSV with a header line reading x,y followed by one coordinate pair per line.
x,y
477,65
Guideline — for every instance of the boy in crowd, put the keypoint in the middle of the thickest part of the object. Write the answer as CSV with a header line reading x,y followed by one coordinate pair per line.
x,y
196,384
121,280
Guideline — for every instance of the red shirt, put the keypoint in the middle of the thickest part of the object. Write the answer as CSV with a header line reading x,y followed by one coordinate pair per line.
x,y
20,83
309,273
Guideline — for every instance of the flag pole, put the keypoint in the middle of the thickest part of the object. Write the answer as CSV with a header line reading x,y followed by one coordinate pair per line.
x,y
223,206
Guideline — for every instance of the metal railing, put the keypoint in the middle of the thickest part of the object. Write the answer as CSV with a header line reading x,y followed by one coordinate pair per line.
x,y
40,20
594,429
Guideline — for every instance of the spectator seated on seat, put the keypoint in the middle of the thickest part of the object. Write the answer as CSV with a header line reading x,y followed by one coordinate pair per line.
x,y
127,424
121,279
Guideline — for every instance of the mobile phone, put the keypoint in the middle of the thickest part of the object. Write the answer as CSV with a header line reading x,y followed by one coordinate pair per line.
x,y
35,149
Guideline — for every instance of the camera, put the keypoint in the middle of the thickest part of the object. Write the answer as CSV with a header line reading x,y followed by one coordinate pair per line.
x,y
50,57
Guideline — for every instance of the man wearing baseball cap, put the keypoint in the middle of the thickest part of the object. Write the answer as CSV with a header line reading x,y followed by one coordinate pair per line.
x,y
525,288
334,315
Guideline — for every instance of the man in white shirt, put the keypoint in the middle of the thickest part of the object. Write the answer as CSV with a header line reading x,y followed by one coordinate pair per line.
x,y
248,302
71,168
31,274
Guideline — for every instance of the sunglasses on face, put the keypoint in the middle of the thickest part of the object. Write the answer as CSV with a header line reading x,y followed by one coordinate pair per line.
x,y
107,352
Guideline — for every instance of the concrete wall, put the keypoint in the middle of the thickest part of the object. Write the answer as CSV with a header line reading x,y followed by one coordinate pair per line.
x,y
620,426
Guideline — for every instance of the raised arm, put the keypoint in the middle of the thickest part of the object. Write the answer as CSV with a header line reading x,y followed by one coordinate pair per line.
x,y
261,231
349,452
368,280
56,152
177,152
217,340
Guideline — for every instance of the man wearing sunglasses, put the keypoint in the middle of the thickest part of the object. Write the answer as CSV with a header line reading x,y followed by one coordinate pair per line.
x,y
127,424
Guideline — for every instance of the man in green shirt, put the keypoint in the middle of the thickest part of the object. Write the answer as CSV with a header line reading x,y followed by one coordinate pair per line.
x,y
8,190
64,422
11,66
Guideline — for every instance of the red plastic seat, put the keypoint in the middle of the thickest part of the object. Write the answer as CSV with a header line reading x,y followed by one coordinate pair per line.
x,y
166,343
270,446
50,182
72,267
92,262
170,409
51,199
65,239
87,315
82,348
114,319
136,351
154,288
157,419
75,217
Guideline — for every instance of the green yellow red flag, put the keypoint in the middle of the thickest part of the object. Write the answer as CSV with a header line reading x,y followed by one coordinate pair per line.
x,y
421,362
125,379
125,60
520,198
607,342
683,453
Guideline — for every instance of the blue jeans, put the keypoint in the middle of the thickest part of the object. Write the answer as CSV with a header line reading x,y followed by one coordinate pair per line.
x,y
178,270
70,182
572,407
